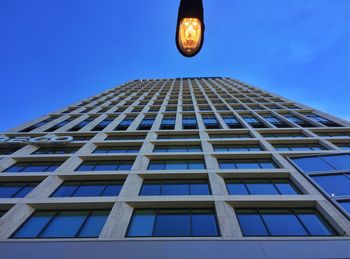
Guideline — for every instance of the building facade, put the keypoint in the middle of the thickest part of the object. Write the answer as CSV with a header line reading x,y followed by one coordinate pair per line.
x,y
177,168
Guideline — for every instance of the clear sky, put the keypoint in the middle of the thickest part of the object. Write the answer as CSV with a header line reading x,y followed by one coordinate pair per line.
x,y
57,52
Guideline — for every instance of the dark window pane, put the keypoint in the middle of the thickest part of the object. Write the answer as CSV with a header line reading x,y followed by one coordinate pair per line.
x,y
282,223
204,224
236,187
94,224
65,224
90,189
151,189
247,164
172,224
112,189
334,185
142,223
65,190
107,166
284,187
34,225
7,190
261,187
340,162
199,189
312,164
251,223
175,188
313,223
25,190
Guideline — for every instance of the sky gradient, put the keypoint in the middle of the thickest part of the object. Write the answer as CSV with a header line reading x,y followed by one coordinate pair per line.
x,y
55,53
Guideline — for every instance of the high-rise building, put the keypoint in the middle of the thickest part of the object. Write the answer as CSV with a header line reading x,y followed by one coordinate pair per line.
x,y
177,168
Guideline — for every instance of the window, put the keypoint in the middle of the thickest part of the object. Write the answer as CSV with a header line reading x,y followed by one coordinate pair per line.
x,y
276,121
175,187
194,148
173,223
168,123
236,148
63,224
88,189
105,165
126,137
176,164
283,135
125,123
33,167
322,120
82,124
334,134
59,125
283,222
334,184
37,125
233,135
210,122
189,122
345,205
246,164
114,150
231,122
146,123
182,136
82,138
103,124
299,121
298,147
323,163
16,189
56,150
254,122
344,146
261,187
8,150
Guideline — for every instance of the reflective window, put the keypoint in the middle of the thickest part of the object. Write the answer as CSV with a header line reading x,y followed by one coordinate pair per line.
x,y
105,165
37,125
233,135
231,121
182,136
16,189
33,167
323,163
176,164
88,189
237,148
56,150
298,147
8,150
247,164
168,122
254,122
126,137
125,123
334,184
276,121
345,205
82,124
117,149
189,122
175,187
63,224
283,135
59,125
173,223
282,222
187,148
103,124
261,187
210,122
146,123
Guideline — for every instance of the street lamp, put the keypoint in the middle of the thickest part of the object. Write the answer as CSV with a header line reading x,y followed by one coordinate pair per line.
x,y
190,27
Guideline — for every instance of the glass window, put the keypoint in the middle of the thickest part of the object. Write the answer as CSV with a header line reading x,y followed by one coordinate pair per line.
x,y
334,185
103,124
312,164
189,122
345,205
175,187
298,147
187,148
33,167
146,123
16,189
56,150
63,224
173,223
236,148
125,123
247,164
282,222
59,125
105,165
176,164
210,122
261,187
182,136
236,135
117,149
8,150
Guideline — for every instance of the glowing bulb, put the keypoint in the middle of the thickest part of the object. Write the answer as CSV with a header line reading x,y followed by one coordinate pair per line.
x,y
190,35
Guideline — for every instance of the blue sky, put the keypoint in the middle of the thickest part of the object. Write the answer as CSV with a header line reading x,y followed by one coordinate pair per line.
x,y
54,53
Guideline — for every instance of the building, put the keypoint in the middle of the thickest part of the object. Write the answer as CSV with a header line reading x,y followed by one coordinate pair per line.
x,y
177,168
